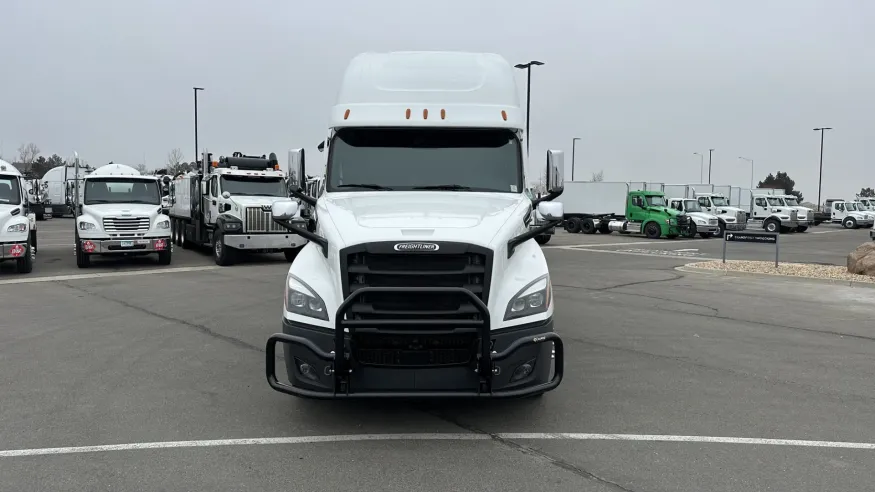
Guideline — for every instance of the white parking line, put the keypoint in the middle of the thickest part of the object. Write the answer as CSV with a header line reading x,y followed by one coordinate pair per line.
x,y
82,276
633,253
541,436
627,243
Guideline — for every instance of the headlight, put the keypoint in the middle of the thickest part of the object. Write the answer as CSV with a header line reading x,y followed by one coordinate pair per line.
x,y
534,298
17,228
232,226
301,299
87,226
784,217
702,222
163,224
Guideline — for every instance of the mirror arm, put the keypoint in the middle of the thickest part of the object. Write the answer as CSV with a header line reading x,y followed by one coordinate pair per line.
x,y
513,243
309,200
306,234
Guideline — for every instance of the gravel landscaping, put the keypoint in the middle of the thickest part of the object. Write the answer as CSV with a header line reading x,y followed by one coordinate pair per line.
x,y
791,269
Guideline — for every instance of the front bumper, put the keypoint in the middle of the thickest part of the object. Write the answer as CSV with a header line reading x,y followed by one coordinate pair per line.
x,y
488,375
121,246
13,251
264,241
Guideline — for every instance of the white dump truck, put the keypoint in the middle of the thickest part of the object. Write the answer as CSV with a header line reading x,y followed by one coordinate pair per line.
x,y
17,221
226,206
119,212
422,278
848,214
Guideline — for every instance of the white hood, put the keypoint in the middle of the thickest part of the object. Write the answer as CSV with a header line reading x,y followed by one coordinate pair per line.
x,y
255,201
99,211
702,216
420,215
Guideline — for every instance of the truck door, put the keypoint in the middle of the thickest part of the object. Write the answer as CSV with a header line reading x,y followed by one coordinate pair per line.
x,y
705,203
211,202
761,208
635,211
838,211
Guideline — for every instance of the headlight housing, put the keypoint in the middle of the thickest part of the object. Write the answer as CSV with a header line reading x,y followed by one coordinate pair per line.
x,y
87,226
232,225
300,299
17,228
163,224
532,299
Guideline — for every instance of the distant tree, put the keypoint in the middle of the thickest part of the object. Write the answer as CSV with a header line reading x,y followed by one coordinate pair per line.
x,y
141,168
867,193
540,186
782,181
27,154
599,176
54,161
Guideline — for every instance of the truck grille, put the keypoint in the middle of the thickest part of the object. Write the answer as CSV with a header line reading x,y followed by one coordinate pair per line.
x,y
452,265
712,222
126,225
258,220
415,350
740,217
683,220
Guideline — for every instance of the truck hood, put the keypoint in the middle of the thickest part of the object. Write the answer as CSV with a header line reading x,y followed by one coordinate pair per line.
x,y
420,215
702,216
102,210
255,201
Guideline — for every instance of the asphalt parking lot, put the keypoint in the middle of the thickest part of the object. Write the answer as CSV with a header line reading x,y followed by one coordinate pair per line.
x,y
674,381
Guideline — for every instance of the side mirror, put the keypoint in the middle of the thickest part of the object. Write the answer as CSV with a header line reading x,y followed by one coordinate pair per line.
x,y
551,210
226,195
165,202
297,179
321,146
284,210
555,171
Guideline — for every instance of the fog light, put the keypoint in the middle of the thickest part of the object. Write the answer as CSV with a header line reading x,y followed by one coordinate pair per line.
x,y
523,370
306,370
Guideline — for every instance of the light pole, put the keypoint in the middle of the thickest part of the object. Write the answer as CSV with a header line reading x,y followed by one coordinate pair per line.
x,y
820,178
573,144
195,121
709,165
751,169
701,166
528,68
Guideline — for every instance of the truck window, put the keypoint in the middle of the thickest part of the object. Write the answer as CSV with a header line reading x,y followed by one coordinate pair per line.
x,y
121,190
839,206
692,206
761,202
703,201
719,201
253,186
656,201
791,201
776,201
214,187
851,206
416,159
10,192
677,205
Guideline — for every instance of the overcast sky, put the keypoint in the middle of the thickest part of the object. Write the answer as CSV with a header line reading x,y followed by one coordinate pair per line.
x,y
643,83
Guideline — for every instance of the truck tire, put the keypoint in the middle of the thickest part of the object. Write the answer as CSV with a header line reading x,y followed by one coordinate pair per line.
x,y
721,228
40,217
82,258
604,228
174,231
652,230
586,226
573,225
543,239
801,228
849,223
694,230
164,257
772,225
25,263
222,254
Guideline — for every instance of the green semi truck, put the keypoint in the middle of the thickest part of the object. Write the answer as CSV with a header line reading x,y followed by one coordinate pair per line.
x,y
597,206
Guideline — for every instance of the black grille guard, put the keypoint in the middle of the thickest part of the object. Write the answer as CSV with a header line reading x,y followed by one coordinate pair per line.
x,y
341,363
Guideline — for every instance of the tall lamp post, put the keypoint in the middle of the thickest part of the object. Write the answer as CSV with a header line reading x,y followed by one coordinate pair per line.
x,y
820,178
573,144
528,68
709,165
195,121
701,166
751,169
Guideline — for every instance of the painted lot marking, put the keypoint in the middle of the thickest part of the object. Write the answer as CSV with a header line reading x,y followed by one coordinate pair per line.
x,y
644,252
82,276
15,453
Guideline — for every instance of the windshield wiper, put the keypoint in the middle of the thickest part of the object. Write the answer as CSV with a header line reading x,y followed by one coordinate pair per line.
x,y
364,185
450,187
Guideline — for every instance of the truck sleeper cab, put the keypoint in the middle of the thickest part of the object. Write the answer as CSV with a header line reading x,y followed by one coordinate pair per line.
x,y
17,221
120,213
421,278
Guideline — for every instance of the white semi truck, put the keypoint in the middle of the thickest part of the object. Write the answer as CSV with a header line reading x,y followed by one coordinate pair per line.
x,y
770,212
804,215
702,223
60,183
118,211
226,206
849,215
17,221
729,218
422,278
37,196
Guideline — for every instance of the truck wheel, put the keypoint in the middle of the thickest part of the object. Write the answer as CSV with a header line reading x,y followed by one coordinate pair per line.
x,y
40,217
221,253
573,225
604,228
82,259
25,263
652,230
721,228
165,256
586,227
693,230
801,228
543,239
772,225
849,223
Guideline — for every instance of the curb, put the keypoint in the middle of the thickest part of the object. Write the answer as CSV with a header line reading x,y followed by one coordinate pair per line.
x,y
792,278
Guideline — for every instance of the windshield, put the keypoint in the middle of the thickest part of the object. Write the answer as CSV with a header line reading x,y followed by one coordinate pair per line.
x,y
10,193
851,207
423,159
719,201
775,201
656,201
791,201
121,190
692,206
253,186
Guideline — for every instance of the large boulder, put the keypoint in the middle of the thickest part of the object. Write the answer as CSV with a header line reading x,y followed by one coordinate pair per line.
x,y
862,260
